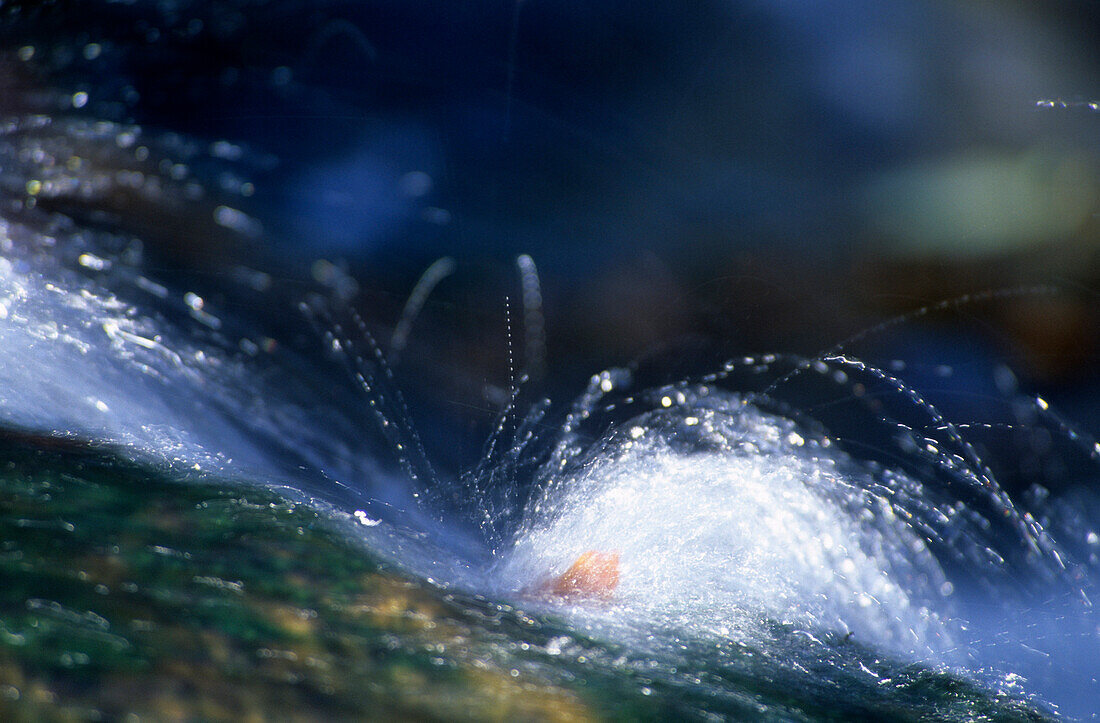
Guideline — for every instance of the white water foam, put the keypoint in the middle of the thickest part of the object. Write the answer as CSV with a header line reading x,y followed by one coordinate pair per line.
x,y
750,517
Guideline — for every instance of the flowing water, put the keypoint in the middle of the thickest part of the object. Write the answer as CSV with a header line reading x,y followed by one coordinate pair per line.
x,y
215,502
799,538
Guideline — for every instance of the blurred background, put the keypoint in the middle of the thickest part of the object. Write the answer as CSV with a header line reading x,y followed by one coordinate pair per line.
x,y
693,182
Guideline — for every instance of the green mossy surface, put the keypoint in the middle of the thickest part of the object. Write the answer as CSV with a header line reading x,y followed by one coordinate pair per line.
x,y
128,594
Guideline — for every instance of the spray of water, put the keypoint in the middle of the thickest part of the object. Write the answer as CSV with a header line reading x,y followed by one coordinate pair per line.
x,y
822,494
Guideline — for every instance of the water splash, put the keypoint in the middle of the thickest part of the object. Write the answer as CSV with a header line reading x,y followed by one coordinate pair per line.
x,y
718,509
776,498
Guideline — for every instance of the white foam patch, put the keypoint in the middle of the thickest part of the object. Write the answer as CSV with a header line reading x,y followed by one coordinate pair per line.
x,y
758,524
78,361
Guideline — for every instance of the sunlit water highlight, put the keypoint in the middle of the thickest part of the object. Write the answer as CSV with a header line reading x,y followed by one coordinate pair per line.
x,y
721,513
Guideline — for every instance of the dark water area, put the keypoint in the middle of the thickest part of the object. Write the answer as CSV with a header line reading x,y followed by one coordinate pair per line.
x,y
331,331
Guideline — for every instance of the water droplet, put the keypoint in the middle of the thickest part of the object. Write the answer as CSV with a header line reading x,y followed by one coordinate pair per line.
x,y
361,515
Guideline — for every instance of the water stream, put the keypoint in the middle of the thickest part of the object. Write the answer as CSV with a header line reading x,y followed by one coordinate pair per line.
x,y
216,501
753,540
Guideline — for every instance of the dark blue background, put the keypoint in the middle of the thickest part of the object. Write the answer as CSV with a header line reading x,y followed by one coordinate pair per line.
x,y
693,181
